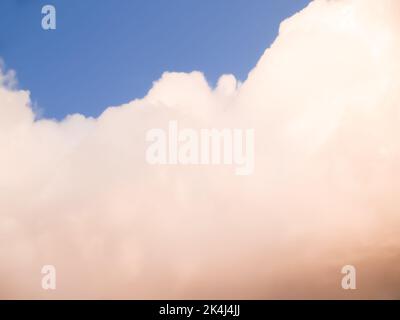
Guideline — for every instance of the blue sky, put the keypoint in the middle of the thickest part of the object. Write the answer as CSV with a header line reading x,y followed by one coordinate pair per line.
x,y
107,52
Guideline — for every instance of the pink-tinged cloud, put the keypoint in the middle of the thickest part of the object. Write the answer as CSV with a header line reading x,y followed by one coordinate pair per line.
x,y
324,102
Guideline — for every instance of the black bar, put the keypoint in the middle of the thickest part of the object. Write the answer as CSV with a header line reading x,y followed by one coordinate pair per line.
x,y
213,309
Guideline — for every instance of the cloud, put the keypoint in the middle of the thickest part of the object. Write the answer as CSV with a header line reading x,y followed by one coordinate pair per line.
x,y
323,100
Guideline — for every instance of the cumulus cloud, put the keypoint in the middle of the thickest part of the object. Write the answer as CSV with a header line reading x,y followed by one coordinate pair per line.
x,y
324,102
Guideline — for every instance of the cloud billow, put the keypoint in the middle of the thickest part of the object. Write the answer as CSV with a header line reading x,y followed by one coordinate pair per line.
x,y
324,103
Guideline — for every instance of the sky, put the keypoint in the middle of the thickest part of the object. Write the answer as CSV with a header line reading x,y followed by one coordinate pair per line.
x,y
106,53
95,200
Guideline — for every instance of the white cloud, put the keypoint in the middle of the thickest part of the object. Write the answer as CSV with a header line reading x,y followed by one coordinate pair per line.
x,y
324,99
